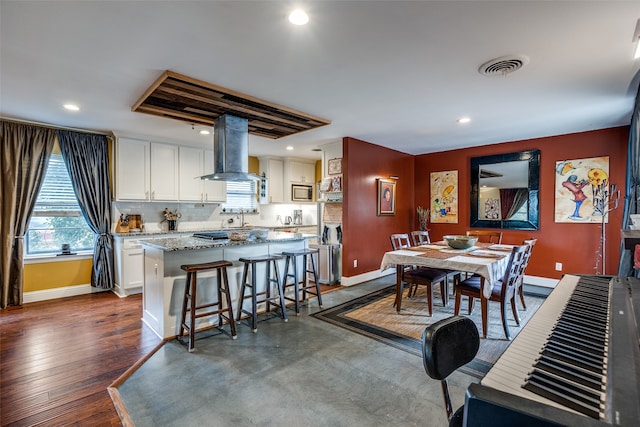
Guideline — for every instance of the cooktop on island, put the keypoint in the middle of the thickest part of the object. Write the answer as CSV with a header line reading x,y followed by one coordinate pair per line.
x,y
212,235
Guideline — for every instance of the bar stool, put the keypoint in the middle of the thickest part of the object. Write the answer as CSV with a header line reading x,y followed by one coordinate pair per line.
x,y
251,262
191,294
291,258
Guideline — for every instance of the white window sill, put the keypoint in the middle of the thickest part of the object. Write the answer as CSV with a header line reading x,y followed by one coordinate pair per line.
x,y
41,259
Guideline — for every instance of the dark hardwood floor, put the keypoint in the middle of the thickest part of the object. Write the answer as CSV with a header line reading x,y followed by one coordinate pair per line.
x,y
58,357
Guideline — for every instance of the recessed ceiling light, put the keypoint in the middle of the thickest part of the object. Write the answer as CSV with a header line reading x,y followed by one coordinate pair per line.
x,y
71,107
298,17
289,147
204,132
464,120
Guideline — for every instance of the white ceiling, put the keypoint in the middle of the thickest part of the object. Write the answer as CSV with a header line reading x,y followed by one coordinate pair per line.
x,y
393,73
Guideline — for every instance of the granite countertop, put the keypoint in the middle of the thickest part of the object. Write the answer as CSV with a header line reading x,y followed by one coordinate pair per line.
x,y
185,243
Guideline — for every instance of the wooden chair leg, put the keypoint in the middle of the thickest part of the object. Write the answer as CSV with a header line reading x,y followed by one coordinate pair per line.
x,y
456,307
514,310
521,292
470,304
503,314
484,304
430,299
444,292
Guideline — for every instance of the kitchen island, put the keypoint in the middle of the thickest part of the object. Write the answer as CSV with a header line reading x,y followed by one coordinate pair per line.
x,y
164,281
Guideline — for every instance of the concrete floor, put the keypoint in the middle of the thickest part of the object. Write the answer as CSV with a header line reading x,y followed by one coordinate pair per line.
x,y
305,372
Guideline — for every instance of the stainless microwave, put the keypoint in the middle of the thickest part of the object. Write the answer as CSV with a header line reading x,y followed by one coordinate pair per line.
x,y
301,193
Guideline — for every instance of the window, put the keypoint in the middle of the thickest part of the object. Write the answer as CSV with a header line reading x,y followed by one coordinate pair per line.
x,y
241,195
57,218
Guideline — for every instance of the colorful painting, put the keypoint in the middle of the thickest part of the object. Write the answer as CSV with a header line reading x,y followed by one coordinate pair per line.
x,y
581,189
444,197
386,197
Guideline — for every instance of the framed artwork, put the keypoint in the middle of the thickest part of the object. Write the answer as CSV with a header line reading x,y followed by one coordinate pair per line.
x,y
582,186
334,166
444,197
336,183
386,197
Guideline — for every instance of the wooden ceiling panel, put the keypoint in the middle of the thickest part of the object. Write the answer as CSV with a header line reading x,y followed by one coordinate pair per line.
x,y
190,100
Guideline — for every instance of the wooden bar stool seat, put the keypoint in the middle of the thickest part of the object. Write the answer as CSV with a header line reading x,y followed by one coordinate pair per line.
x,y
190,304
301,284
272,276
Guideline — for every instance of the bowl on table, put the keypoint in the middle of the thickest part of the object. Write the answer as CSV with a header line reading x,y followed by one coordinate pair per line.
x,y
239,235
460,242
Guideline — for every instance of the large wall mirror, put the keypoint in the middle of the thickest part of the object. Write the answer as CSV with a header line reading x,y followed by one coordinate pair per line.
x,y
504,191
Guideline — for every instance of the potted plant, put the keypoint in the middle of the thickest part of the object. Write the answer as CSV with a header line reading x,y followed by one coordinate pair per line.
x,y
423,218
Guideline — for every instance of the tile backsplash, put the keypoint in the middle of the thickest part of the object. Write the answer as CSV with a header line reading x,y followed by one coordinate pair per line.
x,y
198,216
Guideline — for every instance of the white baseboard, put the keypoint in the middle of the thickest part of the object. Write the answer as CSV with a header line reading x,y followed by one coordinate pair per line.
x,y
365,277
67,291
540,281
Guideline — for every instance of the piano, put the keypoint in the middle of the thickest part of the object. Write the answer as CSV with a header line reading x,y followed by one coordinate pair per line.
x,y
575,363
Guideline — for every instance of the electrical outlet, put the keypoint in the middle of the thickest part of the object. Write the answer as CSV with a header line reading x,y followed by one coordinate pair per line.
x,y
355,263
558,266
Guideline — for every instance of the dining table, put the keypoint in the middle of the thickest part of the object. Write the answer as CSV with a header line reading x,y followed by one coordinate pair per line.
x,y
487,260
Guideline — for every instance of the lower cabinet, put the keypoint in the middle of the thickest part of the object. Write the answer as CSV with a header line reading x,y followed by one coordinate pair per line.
x,y
129,268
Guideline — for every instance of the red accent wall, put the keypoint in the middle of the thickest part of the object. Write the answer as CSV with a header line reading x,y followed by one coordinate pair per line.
x,y
574,245
366,235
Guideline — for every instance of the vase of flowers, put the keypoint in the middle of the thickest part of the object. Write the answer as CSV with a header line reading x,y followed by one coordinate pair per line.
x,y
171,218
423,218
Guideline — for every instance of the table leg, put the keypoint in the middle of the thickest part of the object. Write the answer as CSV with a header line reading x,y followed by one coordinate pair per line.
x,y
399,270
484,304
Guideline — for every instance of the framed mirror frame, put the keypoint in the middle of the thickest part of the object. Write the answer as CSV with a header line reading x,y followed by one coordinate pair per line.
x,y
533,213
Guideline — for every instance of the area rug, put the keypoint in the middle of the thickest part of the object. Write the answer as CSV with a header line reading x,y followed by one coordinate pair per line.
x,y
375,316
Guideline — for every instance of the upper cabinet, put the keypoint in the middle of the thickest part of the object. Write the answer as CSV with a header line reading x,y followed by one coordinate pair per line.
x,y
195,162
282,173
214,191
273,169
300,171
146,171
132,169
150,171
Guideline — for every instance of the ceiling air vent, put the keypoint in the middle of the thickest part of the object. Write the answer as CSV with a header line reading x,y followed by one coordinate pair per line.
x,y
503,65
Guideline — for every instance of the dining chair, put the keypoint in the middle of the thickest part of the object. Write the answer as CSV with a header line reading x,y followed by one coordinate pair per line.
x,y
446,346
421,237
416,276
486,236
503,291
527,256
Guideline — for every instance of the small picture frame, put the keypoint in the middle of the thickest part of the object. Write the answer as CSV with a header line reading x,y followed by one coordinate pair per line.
x,y
336,184
334,166
386,197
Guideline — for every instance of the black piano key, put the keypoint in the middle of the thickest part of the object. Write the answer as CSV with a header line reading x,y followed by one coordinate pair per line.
x,y
584,322
575,345
584,360
569,356
581,329
578,339
564,393
567,372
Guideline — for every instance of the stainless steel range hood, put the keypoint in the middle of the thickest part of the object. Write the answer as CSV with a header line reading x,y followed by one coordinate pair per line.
x,y
231,150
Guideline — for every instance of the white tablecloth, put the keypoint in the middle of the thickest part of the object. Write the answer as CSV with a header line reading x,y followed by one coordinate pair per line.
x,y
492,267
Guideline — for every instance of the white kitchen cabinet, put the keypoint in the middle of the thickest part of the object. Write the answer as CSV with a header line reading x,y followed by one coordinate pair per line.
x,y
214,191
190,184
129,268
195,162
133,164
300,171
273,169
164,172
146,171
